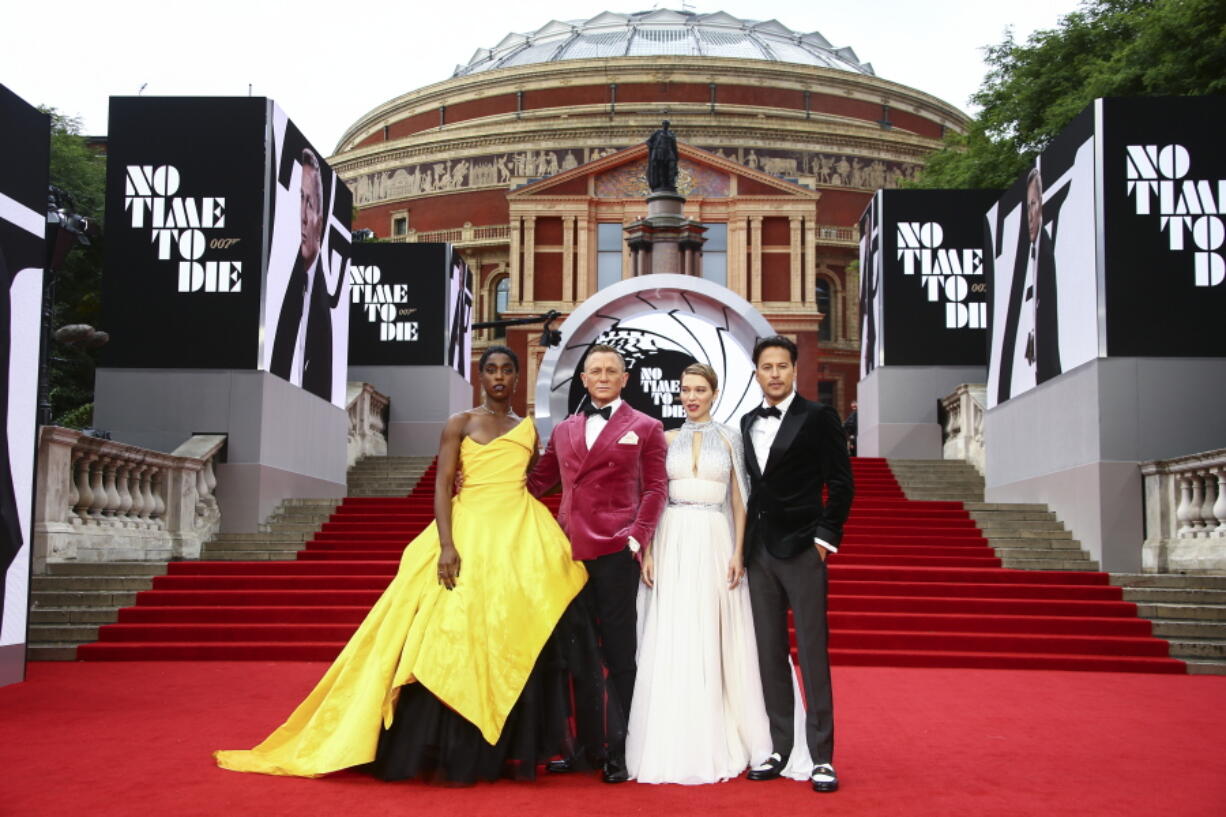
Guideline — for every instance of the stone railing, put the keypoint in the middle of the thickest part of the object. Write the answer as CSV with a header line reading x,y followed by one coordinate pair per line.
x,y
834,232
367,422
962,429
1185,514
466,236
104,501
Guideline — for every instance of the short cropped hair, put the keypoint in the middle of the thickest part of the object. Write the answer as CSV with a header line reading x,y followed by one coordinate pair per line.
x,y
704,371
776,341
600,348
498,350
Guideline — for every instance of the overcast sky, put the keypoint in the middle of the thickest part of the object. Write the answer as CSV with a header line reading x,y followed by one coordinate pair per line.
x,y
328,63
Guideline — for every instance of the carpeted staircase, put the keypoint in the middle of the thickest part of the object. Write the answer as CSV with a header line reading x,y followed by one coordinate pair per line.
x,y
915,584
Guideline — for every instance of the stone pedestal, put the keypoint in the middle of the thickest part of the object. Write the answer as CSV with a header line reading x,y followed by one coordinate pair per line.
x,y
666,241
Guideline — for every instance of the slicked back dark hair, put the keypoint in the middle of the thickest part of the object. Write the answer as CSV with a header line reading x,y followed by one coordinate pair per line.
x,y
498,350
776,341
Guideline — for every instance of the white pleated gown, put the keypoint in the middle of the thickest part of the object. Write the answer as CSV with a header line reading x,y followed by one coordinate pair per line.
x,y
697,714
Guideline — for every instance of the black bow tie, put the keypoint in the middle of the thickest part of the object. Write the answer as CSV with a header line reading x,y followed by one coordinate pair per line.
x,y
605,412
768,411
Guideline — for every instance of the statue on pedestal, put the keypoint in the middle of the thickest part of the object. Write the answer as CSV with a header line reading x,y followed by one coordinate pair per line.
x,y
662,160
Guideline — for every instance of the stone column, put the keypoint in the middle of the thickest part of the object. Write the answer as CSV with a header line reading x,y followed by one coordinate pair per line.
x,y
582,283
530,258
517,268
795,285
568,258
754,284
808,294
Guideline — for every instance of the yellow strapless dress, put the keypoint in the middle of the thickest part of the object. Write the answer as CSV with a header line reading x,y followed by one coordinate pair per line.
x,y
472,647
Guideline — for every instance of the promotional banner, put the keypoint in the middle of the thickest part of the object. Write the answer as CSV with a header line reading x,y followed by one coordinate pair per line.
x,y
1042,264
227,242
399,307
460,322
923,292
1164,210
1111,244
306,313
185,234
661,324
24,158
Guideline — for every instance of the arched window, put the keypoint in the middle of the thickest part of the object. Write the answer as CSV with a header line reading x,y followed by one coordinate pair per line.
x,y
502,297
825,305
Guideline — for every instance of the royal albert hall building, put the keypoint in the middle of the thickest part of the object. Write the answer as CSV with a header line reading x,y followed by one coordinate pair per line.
x,y
531,158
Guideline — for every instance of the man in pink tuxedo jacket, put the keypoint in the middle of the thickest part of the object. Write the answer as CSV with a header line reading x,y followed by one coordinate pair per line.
x,y
609,459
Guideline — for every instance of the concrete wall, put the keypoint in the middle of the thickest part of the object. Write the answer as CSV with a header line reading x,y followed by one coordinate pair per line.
x,y
897,415
282,441
12,664
1074,443
422,398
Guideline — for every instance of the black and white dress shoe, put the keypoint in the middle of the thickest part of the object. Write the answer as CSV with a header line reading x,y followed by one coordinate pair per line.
x,y
823,778
561,765
768,769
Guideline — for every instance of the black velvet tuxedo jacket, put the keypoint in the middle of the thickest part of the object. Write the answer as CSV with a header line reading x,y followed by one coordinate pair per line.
x,y
785,512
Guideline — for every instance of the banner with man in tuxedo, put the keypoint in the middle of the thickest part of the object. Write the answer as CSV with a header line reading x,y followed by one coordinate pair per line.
x,y
24,158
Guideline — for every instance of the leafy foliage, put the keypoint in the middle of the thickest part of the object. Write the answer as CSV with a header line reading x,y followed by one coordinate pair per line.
x,y
80,171
1105,48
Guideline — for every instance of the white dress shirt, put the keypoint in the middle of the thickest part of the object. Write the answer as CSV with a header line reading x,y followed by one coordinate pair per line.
x,y
596,424
762,433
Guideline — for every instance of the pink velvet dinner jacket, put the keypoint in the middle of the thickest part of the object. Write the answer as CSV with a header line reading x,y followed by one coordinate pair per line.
x,y
616,490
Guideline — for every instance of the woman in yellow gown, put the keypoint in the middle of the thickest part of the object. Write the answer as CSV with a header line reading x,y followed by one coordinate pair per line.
x,y
442,679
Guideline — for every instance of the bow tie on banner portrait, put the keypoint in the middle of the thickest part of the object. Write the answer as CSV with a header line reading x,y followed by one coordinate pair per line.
x,y
589,410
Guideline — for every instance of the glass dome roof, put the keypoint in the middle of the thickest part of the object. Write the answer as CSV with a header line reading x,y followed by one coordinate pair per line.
x,y
663,33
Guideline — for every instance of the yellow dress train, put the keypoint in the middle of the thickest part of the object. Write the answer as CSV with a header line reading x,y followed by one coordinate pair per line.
x,y
472,647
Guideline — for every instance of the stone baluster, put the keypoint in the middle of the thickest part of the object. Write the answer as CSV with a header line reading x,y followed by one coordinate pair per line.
x,y
97,499
74,489
1184,512
109,466
1208,524
123,481
1219,507
1194,518
157,484
137,512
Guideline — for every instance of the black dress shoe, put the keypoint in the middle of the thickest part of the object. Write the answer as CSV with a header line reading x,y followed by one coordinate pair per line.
x,y
561,765
823,778
615,771
768,769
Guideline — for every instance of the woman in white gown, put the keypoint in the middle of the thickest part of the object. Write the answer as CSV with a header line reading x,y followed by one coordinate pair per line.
x,y
697,714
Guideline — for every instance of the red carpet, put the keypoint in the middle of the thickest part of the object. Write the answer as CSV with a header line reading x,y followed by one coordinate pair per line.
x,y
914,585
134,740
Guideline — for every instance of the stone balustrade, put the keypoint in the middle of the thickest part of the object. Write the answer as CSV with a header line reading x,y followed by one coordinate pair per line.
x,y
962,427
102,501
1185,514
367,422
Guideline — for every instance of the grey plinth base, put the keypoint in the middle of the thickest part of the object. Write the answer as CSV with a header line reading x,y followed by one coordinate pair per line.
x,y
666,241
421,400
897,413
12,664
282,442
1075,442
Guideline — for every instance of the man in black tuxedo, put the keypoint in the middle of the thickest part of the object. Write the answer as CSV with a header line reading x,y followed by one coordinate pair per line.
x,y
302,349
793,448
1030,353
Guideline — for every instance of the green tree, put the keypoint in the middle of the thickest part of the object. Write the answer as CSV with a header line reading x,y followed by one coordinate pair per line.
x,y
80,171
1105,48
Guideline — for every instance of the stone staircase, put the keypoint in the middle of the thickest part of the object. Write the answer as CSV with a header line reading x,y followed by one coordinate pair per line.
x,y
1024,536
386,476
1187,611
69,603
